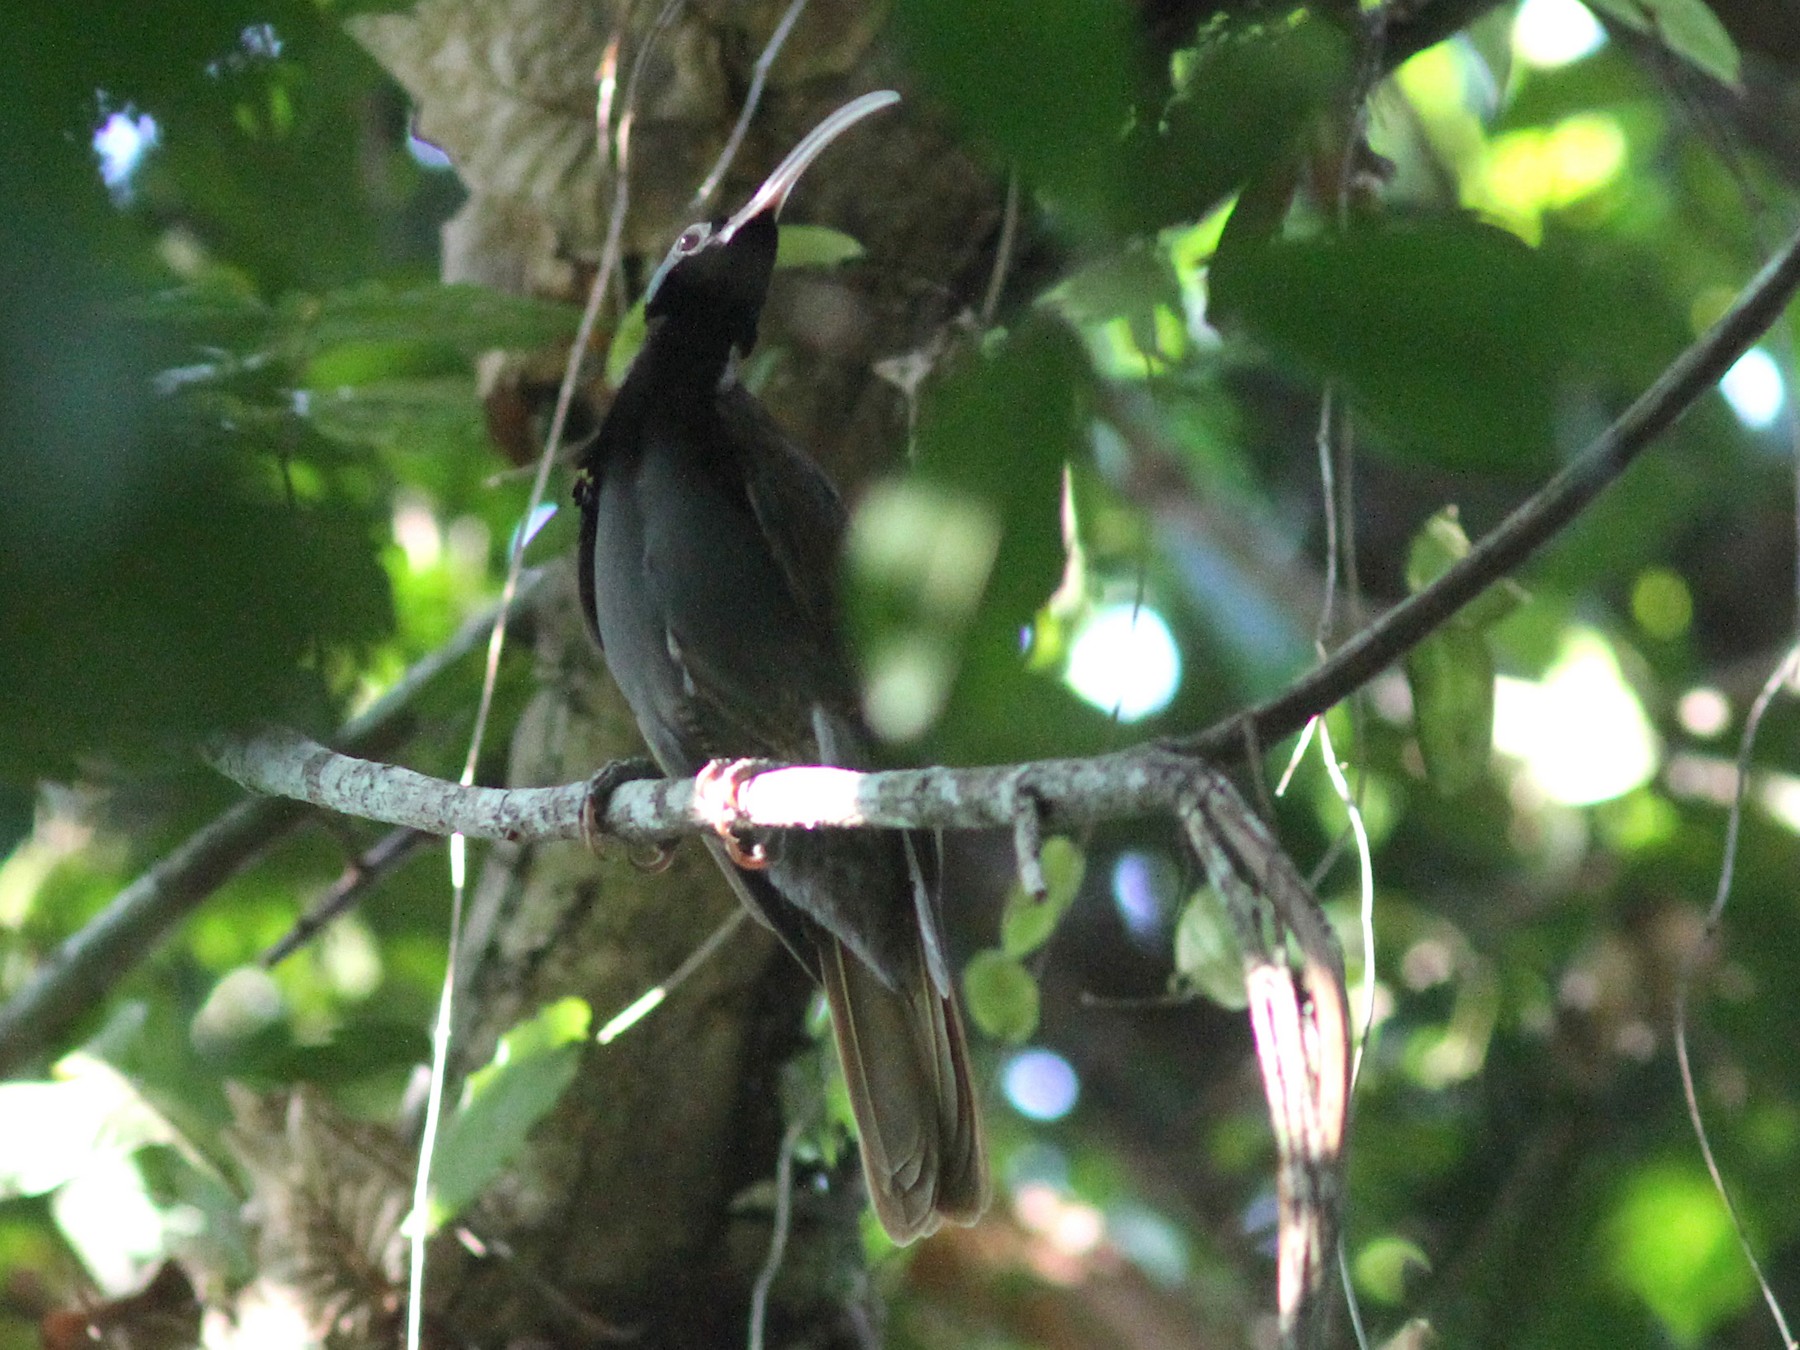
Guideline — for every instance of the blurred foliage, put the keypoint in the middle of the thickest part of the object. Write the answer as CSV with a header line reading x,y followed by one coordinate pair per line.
x,y
246,475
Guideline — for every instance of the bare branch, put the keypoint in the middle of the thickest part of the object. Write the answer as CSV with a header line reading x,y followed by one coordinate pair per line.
x,y
360,876
1300,1018
1028,843
1069,792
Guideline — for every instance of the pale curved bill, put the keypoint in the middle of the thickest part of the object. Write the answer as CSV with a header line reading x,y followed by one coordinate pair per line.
x,y
775,188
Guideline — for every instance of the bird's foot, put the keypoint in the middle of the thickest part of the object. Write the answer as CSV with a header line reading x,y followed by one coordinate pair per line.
x,y
612,776
716,789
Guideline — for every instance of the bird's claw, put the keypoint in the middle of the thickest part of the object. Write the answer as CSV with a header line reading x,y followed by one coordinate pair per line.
x,y
612,776
716,789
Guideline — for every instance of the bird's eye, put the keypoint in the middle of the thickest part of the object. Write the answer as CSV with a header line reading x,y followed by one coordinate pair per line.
x,y
692,238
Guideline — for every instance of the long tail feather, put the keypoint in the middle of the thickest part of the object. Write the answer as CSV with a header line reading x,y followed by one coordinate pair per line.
x,y
906,1063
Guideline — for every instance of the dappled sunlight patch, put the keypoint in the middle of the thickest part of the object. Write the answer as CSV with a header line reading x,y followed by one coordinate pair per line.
x,y
1671,1244
1535,170
1755,389
1548,34
1580,734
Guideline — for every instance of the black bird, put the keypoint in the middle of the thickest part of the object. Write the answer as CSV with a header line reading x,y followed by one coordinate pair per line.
x,y
709,557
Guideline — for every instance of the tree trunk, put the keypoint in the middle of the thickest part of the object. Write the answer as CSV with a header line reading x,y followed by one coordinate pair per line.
x,y
625,1202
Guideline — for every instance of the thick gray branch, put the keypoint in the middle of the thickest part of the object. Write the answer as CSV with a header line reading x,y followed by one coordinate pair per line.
x,y
1067,792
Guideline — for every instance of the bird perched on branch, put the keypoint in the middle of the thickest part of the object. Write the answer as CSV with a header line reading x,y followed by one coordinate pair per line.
x,y
709,553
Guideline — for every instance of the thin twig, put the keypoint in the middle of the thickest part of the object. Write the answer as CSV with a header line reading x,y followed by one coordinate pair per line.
x,y
784,1210
1328,491
364,873
565,396
1366,884
651,999
1009,229
1690,963
752,98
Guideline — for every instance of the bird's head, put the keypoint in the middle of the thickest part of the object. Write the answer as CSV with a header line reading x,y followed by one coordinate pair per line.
x,y
717,273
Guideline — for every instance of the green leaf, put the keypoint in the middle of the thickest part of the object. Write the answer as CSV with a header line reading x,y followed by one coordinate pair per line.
x,y
1129,284
1002,996
994,434
501,1102
129,583
1447,334
428,414
814,246
1245,96
1207,955
1688,28
1383,1265
1028,922
1451,674
469,318
627,342
1671,1243
52,1132
1046,87
1438,546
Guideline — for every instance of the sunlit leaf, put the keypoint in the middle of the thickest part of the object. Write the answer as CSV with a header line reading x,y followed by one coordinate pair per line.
x,y
503,1100
627,342
1451,674
1671,1243
1207,955
815,246
1028,922
1688,28
1439,545
1384,1264
1002,996
51,1132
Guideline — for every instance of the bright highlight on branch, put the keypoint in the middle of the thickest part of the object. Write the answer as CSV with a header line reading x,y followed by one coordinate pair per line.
x,y
1124,661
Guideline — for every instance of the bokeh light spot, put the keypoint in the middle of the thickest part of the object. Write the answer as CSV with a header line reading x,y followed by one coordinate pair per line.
x,y
121,143
1703,712
1754,389
1041,1085
1581,733
1537,169
1143,888
1124,661
1552,33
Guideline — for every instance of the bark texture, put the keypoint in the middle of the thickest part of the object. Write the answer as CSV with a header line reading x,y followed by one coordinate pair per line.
x,y
625,1204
